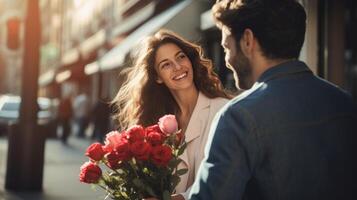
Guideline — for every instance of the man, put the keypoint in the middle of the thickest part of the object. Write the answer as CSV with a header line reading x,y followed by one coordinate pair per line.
x,y
291,135
65,113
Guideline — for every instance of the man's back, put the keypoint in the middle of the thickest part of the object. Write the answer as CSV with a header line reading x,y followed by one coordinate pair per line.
x,y
290,137
306,129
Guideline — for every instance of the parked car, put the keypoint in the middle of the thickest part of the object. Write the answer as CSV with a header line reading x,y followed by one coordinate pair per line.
x,y
10,111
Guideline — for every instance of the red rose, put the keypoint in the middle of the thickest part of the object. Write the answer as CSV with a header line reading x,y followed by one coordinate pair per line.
x,y
95,151
168,124
136,133
161,155
113,160
123,149
141,150
154,138
153,128
90,173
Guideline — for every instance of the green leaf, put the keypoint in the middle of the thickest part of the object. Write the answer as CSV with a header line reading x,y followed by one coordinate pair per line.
x,y
174,181
174,162
137,182
150,191
181,171
182,149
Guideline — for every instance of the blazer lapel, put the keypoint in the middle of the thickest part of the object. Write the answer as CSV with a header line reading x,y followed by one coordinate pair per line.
x,y
195,128
197,122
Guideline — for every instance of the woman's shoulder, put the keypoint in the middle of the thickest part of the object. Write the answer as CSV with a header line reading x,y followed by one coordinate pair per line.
x,y
218,102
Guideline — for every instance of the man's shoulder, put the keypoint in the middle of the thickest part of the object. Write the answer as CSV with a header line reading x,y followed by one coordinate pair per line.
x,y
249,97
254,103
290,96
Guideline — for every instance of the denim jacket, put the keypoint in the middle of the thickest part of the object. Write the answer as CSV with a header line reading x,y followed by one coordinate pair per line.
x,y
291,136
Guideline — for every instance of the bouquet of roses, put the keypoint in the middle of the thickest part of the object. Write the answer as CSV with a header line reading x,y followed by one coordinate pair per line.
x,y
140,162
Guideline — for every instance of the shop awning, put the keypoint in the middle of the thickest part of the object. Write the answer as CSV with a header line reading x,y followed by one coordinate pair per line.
x,y
71,56
135,19
116,56
92,43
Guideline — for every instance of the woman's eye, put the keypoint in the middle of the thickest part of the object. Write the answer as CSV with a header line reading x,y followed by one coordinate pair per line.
x,y
165,65
182,56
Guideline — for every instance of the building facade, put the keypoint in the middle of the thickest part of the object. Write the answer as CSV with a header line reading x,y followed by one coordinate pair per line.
x,y
12,15
87,43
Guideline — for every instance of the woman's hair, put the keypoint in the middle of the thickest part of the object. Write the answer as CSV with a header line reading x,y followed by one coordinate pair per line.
x,y
141,100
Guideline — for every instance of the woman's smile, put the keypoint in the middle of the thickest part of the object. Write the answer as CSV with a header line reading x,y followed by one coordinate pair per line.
x,y
180,76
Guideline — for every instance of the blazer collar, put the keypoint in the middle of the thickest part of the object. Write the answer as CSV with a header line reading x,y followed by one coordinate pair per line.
x,y
197,120
197,123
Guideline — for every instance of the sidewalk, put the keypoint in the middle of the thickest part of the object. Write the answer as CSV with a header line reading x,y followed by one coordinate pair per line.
x,y
61,171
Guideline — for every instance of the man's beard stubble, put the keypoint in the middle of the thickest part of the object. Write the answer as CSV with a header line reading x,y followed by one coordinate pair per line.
x,y
242,71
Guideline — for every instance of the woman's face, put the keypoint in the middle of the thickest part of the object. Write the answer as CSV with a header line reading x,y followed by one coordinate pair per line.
x,y
173,67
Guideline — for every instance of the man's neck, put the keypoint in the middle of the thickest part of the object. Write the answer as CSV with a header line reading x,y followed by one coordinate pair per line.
x,y
262,65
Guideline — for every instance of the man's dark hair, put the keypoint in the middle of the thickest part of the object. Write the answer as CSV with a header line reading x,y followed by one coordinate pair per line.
x,y
278,25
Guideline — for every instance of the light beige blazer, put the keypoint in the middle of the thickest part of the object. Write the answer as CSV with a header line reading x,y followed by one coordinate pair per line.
x,y
196,137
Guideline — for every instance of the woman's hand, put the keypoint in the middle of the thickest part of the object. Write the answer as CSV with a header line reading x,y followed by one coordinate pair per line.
x,y
177,197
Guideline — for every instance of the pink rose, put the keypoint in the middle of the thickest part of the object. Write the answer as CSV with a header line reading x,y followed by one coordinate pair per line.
x,y
168,124
90,173
95,151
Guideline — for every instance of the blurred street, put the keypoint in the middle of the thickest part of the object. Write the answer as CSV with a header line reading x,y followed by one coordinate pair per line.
x,y
61,171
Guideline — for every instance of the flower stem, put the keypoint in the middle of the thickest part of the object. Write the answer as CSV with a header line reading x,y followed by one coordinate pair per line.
x,y
116,171
132,165
107,190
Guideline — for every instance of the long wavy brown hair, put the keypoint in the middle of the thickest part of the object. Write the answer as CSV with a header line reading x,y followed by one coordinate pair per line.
x,y
141,100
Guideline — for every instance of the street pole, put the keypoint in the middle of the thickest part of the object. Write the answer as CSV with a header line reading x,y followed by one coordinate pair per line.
x,y
26,140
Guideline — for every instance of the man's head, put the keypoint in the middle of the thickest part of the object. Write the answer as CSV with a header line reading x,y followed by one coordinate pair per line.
x,y
254,30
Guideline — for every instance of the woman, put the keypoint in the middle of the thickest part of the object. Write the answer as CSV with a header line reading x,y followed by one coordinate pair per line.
x,y
170,76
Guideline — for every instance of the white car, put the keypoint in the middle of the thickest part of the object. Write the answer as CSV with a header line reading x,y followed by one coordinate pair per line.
x,y
10,111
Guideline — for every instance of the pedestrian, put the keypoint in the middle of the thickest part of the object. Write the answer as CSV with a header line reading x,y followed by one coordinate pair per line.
x,y
171,76
65,113
291,135
81,107
100,118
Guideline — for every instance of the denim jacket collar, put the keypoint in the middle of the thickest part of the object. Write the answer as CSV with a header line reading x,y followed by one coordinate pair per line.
x,y
284,69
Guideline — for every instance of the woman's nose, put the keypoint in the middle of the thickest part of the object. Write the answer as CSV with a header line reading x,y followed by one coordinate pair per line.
x,y
177,65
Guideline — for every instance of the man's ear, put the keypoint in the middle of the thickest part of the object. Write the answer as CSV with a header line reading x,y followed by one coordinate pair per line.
x,y
247,42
